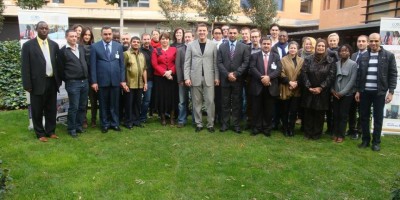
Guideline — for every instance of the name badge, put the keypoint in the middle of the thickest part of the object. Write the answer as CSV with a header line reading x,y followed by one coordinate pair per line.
x,y
117,55
273,65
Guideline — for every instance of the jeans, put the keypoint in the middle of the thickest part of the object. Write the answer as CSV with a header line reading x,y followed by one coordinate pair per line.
x,y
368,99
78,91
145,102
182,106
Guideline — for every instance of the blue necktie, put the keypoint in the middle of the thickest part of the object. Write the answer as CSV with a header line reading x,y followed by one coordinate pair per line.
x,y
108,51
232,50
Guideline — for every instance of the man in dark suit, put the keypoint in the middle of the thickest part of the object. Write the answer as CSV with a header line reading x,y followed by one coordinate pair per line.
x,y
74,72
107,76
41,80
233,60
265,69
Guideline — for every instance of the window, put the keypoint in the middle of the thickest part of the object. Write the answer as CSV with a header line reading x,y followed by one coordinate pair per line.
x,y
90,1
58,1
327,4
305,6
279,4
347,3
140,3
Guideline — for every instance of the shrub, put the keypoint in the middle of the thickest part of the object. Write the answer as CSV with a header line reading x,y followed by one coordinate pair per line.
x,y
396,188
12,95
5,180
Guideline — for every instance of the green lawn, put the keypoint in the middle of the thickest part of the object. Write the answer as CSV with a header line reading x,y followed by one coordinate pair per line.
x,y
169,163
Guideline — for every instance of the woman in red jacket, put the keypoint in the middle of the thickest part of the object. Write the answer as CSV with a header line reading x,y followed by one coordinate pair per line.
x,y
166,96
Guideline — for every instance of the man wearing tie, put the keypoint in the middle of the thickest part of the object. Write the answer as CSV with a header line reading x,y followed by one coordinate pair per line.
x,y
107,76
233,60
41,80
354,122
265,69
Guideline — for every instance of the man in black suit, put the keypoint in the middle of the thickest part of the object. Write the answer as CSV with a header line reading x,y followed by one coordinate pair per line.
x,y
265,69
74,72
233,60
107,76
41,80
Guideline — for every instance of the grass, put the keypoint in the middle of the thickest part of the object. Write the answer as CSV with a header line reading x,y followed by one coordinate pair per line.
x,y
170,163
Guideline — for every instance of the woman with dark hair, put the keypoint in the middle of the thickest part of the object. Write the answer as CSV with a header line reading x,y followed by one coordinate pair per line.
x,y
177,38
289,88
78,28
166,96
343,91
318,74
87,39
155,39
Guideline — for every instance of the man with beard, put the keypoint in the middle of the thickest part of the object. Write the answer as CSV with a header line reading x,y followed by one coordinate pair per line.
x,y
125,39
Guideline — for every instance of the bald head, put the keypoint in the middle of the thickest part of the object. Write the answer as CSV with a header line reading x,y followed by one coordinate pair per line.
x,y
374,42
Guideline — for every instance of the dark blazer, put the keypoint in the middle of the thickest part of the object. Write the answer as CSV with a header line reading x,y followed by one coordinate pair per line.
x,y
103,71
238,65
354,56
257,70
72,67
34,66
180,63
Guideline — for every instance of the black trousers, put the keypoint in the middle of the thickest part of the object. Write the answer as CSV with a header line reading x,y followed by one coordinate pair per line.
x,y
329,118
263,106
218,104
340,115
313,123
133,101
232,104
93,99
368,99
289,108
45,105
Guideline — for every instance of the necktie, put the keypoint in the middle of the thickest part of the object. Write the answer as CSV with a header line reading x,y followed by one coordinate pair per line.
x,y
108,52
266,63
49,68
358,56
232,52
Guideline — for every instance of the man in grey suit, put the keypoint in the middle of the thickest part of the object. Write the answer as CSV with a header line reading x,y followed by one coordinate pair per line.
x,y
233,61
201,74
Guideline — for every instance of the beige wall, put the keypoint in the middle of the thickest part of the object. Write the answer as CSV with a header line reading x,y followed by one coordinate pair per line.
x,y
336,17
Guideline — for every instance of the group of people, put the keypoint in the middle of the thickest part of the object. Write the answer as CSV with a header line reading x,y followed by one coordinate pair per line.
x,y
268,81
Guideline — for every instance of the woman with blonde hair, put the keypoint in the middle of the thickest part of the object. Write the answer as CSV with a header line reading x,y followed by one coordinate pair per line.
x,y
308,47
289,89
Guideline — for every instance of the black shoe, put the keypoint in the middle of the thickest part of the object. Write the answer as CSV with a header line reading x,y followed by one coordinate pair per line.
x,y
267,133
129,127
104,130
80,131
376,147
116,128
198,129
354,136
237,130
211,129
290,133
254,132
223,128
363,145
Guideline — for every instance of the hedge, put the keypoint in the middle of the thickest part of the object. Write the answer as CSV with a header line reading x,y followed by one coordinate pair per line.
x,y
12,95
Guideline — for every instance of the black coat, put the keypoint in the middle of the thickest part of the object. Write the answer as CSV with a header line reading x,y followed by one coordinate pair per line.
x,y
320,74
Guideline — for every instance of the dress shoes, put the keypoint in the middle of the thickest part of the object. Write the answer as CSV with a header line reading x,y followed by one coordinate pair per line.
x,y
211,129
115,128
198,129
363,145
43,139
237,130
53,136
223,128
254,132
104,130
129,127
376,147
267,133
290,133
354,136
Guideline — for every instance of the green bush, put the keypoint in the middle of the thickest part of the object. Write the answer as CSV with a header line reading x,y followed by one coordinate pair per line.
x,y
12,95
396,188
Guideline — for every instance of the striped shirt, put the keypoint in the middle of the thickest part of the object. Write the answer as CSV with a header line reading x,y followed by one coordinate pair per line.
x,y
372,73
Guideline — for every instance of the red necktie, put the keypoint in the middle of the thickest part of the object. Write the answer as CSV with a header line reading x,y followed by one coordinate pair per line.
x,y
266,63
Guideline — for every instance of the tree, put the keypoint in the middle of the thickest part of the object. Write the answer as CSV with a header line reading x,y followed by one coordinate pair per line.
x,y
218,10
260,12
31,4
175,13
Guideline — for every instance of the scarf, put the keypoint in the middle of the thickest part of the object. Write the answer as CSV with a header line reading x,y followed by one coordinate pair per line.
x,y
283,47
155,44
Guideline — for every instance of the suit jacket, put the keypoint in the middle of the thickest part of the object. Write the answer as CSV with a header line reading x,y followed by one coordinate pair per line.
x,y
180,63
238,64
195,62
103,71
257,70
34,66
